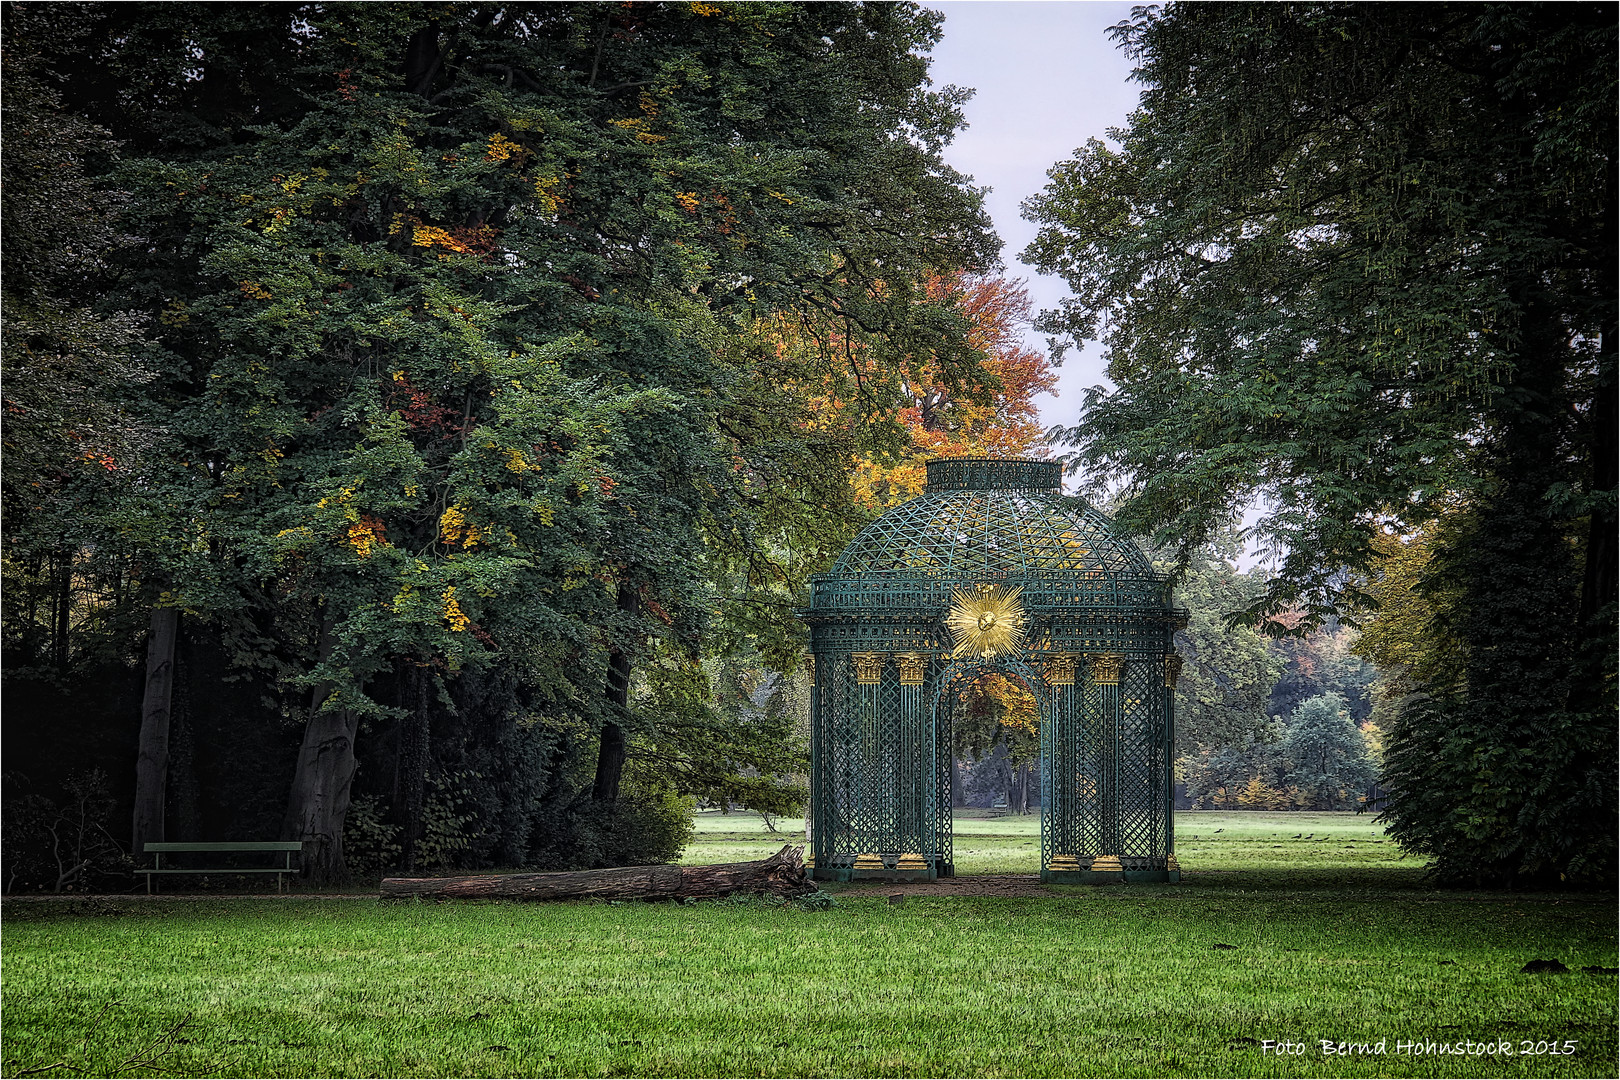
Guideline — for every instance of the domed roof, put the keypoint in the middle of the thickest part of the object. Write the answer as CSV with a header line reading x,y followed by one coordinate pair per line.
x,y
984,518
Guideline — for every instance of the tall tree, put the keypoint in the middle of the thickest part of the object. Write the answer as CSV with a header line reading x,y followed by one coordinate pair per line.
x,y
461,308
1325,754
993,416
1228,673
1360,260
72,446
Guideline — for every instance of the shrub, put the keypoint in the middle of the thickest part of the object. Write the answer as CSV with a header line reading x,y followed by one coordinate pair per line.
x,y
63,847
648,824
370,841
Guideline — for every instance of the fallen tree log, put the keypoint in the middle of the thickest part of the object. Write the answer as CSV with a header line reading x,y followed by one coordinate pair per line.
x,y
780,875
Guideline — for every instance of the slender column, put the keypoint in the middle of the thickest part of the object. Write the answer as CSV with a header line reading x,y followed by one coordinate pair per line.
x,y
939,739
1105,669
871,783
1061,805
815,819
1172,670
917,771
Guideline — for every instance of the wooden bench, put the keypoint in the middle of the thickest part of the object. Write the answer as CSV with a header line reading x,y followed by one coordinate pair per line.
x,y
286,847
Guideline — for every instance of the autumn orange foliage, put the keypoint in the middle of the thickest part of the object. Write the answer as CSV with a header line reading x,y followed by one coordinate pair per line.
x,y
1003,422
942,424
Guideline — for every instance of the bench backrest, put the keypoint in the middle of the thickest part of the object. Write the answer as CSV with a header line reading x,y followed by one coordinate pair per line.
x,y
242,845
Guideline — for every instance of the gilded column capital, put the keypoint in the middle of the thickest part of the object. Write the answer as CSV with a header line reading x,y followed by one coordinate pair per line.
x,y
1172,670
1105,668
913,667
1060,669
868,667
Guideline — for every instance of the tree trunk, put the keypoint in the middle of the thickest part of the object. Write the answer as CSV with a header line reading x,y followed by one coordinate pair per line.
x,y
958,795
410,770
318,801
1599,580
183,820
152,760
610,758
61,608
780,875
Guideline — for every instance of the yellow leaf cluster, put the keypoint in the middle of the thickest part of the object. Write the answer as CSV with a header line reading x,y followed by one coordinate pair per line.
x,y
500,148
516,462
456,530
637,127
453,614
366,534
545,194
430,235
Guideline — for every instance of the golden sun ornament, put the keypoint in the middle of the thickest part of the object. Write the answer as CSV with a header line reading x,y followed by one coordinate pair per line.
x,y
986,621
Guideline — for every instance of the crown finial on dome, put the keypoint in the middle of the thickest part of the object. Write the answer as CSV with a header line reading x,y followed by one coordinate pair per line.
x,y
994,474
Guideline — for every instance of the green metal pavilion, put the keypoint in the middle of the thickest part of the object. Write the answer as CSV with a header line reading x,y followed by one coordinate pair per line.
x,y
992,569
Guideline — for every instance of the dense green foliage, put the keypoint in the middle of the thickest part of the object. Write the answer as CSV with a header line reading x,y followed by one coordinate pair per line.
x,y
1327,757
68,359
1228,673
488,350
1358,262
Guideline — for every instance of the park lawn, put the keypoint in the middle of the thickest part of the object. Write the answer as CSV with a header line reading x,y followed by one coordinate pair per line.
x,y
1104,981
1335,936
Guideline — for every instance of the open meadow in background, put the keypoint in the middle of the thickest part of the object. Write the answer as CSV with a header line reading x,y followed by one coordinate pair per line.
x,y
1288,927
1207,841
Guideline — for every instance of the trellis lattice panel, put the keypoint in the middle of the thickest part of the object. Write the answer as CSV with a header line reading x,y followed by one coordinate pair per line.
x,y
876,779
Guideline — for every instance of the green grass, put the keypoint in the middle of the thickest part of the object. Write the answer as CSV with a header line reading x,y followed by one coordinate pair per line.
x,y
1089,981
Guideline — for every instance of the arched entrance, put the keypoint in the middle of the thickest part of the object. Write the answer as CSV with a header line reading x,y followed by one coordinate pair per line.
x,y
991,569
958,683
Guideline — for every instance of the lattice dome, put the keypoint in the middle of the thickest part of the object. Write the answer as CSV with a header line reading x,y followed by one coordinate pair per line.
x,y
989,518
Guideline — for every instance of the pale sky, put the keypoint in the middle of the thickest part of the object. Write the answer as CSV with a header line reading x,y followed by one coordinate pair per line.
x,y
1047,78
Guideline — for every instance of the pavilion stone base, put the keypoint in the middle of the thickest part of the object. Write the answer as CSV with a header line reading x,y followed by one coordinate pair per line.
x,y
1108,877
842,871
1108,870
